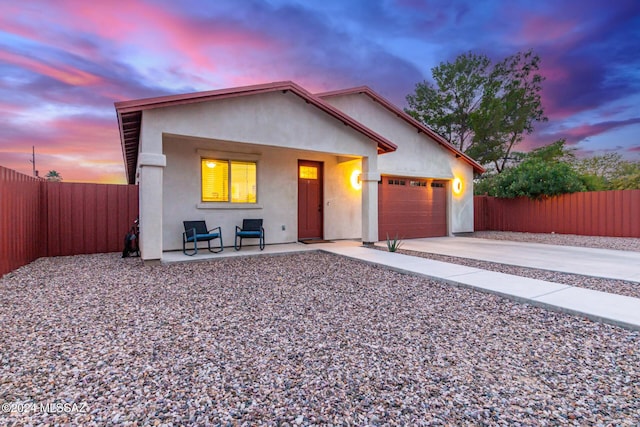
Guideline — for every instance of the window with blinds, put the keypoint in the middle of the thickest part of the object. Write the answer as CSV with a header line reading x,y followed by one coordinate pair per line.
x,y
228,181
243,182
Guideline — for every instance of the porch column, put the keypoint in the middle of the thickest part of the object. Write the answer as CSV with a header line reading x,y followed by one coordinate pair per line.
x,y
150,191
369,179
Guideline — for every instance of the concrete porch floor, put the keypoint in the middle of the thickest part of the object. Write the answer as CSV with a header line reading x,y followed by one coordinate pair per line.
x,y
285,248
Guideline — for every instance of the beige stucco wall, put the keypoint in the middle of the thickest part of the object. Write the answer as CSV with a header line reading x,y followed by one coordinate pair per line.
x,y
274,118
417,155
277,191
276,129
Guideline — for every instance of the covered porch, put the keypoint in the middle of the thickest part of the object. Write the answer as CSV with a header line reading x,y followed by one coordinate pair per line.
x,y
273,130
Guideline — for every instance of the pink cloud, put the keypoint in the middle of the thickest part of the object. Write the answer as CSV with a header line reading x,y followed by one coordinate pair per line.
x,y
161,31
60,72
72,168
579,133
195,43
82,149
9,109
542,29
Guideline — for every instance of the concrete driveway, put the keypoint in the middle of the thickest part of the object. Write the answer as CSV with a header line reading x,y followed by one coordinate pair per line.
x,y
624,265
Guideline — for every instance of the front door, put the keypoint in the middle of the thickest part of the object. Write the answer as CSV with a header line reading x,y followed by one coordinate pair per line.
x,y
309,200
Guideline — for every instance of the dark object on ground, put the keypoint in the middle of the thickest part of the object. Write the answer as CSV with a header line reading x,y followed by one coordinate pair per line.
x,y
131,241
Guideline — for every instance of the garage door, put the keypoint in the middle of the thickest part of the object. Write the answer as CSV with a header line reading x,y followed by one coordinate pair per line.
x,y
411,208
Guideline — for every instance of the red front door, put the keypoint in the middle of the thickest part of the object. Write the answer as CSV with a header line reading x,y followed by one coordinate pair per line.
x,y
309,200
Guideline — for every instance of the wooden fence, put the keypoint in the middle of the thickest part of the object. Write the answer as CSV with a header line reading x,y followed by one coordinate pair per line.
x,y
21,221
598,213
40,218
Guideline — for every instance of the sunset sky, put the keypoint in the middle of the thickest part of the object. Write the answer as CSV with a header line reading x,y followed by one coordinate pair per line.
x,y
64,63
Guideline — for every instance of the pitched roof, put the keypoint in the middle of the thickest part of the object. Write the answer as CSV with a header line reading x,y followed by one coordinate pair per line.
x,y
407,118
130,115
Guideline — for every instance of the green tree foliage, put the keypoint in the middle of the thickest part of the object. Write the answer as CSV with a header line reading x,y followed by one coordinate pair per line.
x,y
448,105
536,178
627,177
482,109
609,172
544,172
54,176
511,105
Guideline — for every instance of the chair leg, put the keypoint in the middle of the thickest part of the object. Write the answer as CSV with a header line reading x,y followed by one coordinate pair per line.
x,y
184,248
262,242
214,250
235,244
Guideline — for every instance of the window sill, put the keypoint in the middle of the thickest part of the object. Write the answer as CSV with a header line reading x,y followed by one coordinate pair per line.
x,y
223,205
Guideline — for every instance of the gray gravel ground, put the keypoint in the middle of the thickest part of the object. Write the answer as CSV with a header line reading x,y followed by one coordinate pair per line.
x,y
302,339
620,287
618,243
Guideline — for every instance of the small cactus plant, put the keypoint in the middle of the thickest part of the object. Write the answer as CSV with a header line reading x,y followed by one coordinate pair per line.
x,y
393,245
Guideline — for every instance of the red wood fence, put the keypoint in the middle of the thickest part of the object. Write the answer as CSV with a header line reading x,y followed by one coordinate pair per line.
x,y
40,218
599,213
21,222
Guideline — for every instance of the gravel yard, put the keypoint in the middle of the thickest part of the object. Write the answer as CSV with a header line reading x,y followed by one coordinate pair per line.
x,y
620,287
298,339
618,243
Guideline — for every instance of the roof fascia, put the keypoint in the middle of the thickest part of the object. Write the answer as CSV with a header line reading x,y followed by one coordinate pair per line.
x,y
140,105
406,117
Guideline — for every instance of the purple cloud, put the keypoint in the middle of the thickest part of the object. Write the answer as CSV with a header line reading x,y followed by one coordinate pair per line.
x,y
64,63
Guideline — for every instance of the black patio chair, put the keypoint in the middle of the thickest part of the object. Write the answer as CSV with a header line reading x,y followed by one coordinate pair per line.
x,y
196,231
251,229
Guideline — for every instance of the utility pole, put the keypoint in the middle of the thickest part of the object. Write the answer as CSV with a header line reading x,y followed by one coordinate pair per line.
x,y
33,160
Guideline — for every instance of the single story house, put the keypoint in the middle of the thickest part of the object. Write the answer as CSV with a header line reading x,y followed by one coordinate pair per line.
x,y
337,165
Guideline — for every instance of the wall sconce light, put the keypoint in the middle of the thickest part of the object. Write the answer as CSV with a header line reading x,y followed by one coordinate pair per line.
x,y
356,179
457,186
210,164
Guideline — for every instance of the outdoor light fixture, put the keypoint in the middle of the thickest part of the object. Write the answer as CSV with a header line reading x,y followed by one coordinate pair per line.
x,y
356,179
457,186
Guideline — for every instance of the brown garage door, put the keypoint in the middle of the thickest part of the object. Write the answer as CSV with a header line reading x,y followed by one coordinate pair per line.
x,y
411,208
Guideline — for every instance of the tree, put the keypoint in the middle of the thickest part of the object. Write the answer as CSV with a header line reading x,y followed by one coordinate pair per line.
x,y
53,176
535,178
448,105
481,109
546,171
604,166
512,103
627,177
609,172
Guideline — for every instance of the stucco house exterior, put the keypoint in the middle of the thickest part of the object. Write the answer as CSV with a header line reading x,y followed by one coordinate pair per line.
x,y
337,165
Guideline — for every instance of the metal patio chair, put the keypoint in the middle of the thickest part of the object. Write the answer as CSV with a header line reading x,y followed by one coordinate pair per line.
x,y
251,229
196,231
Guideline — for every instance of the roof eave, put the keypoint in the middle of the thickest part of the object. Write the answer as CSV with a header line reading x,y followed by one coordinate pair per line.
x,y
406,117
135,108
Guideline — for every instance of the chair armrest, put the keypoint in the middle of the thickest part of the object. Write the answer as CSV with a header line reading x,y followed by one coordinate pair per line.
x,y
188,233
238,229
216,228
